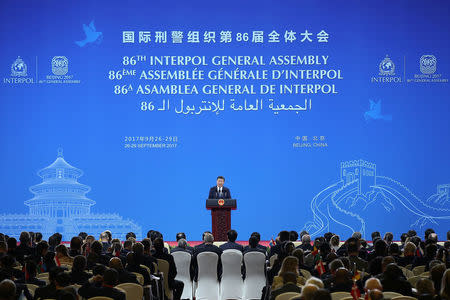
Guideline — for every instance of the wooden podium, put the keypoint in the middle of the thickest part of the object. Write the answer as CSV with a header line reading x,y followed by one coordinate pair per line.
x,y
221,216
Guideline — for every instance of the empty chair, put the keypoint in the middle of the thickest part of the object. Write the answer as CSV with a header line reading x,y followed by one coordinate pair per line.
x,y
340,295
207,283
287,296
255,278
133,291
231,284
390,295
183,262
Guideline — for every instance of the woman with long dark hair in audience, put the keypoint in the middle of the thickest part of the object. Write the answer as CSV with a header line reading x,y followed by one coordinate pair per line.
x,y
62,256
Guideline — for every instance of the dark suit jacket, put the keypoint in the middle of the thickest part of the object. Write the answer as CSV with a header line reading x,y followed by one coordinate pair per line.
x,y
189,250
88,290
79,277
231,245
125,277
207,248
213,194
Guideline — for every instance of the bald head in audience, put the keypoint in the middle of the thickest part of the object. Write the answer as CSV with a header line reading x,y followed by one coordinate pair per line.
x,y
373,284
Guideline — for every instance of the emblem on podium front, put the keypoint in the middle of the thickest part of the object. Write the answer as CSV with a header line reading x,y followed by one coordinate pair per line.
x,y
221,202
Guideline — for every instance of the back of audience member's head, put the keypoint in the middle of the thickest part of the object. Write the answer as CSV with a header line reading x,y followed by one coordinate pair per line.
x,y
62,279
376,294
116,263
335,240
411,233
83,235
232,235
131,259
373,283
7,290
427,233
138,248
54,273
322,294
299,254
75,243
425,286
386,261
147,244
380,247
182,243
388,237
128,244
110,277
346,262
12,243
308,291
62,250
352,246
394,249
158,243
403,237
253,241
315,281
328,236
180,235
375,235
288,248
392,272
436,274
335,265
357,235
99,269
79,263
409,249
130,234
284,236
289,277
289,264
208,238
25,238
257,235
430,251
293,235
96,247
342,276
306,239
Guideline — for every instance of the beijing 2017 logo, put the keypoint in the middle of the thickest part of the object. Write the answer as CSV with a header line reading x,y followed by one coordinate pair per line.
x,y
428,64
60,65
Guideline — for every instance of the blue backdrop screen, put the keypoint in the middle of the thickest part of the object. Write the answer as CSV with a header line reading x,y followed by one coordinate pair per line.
x,y
323,116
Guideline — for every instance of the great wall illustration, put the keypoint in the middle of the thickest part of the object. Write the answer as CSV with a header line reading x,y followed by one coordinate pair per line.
x,y
364,201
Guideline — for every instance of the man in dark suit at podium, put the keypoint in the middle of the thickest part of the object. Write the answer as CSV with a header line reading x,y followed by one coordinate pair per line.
x,y
219,191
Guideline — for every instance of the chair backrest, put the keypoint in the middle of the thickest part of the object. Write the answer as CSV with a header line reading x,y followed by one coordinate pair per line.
x,y
305,273
272,259
139,277
340,295
413,280
404,298
418,270
147,269
231,263
390,295
31,288
254,263
164,268
100,298
255,278
287,296
408,273
207,283
425,274
183,263
207,265
133,291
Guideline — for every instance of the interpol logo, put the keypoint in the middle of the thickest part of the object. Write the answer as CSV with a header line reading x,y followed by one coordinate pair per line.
x,y
19,68
387,67
428,64
60,65
386,72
